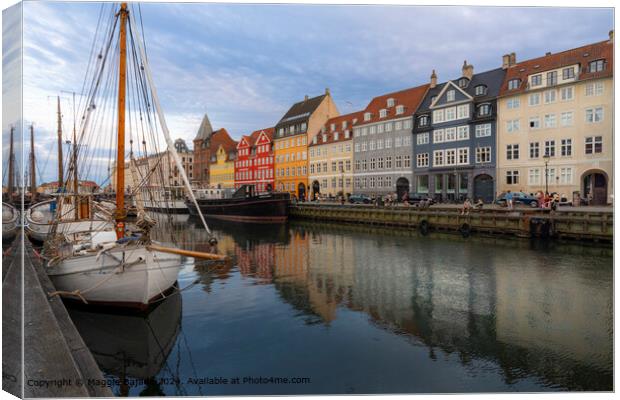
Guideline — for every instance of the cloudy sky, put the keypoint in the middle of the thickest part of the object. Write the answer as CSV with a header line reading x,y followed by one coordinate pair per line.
x,y
245,65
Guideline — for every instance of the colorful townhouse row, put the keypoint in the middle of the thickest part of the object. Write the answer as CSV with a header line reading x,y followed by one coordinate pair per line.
x,y
540,124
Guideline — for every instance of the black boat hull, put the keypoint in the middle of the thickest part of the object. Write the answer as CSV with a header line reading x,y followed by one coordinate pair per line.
x,y
254,209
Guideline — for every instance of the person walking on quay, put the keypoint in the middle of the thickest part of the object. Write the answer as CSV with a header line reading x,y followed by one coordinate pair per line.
x,y
509,200
466,207
479,204
540,197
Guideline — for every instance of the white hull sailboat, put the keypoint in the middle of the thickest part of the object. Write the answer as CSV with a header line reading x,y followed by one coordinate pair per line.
x,y
9,222
120,267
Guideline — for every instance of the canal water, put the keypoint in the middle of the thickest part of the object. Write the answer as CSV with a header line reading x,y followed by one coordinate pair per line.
x,y
309,307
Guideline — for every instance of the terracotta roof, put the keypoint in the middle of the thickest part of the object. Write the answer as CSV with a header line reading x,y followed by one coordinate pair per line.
x,y
221,137
255,135
580,55
409,98
352,119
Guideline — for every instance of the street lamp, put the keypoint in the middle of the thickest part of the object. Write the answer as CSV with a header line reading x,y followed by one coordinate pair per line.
x,y
546,157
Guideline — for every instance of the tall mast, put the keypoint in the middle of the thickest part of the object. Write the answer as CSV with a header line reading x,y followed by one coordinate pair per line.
x,y
33,172
120,156
60,171
75,169
11,183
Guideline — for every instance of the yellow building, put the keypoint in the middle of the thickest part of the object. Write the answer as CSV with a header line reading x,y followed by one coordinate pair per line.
x,y
331,157
222,170
555,126
292,133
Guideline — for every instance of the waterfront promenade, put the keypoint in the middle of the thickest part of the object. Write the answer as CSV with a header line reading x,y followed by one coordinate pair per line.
x,y
577,223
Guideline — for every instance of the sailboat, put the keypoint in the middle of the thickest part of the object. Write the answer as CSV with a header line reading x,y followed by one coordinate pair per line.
x,y
10,214
120,267
42,219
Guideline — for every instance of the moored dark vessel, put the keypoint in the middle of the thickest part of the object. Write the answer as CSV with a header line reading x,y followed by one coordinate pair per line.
x,y
245,205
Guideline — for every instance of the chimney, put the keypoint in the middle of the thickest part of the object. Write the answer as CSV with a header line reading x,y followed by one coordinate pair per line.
x,y
547,53
433,79
513,58
468,70
327,91
505,61
306,98
611,36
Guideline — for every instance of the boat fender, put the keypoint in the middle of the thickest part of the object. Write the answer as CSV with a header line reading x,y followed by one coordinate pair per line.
x,y
423,227
465,230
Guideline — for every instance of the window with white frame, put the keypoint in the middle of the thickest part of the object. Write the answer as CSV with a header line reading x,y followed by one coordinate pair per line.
x,y
550,96
594,144
450,134
437,158
438,116
388,162
480,90
567,93
450,95
371,145
534,176
483,155
406,140
514,84
462,132
566,147
462,111
372,129
364,146
399,161
566,118
513,125
534,99
398,125
513,102
512,152
380,144
550,148
390,102
463,156
568,73
536,80
450,156
597,66
550,121
367,116
422,160
357,165
406,161
382,113
398,141
594,115
380,128
594,89
380,163
438,136
356,132
450,113
512,177
484,109
534,123
388,143
566,175
483,130
534,149
388,127
423,120
400,109
422,138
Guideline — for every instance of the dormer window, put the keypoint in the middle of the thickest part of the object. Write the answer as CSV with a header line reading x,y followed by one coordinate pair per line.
x,y
323,129
536,80
332,127
367,116
480,90
484,110
390,102
303,126
597,66
400,109
281,132
344,125
314,140
423,120
347,134
324,137
514,84
450,95
336,136
568,73
382,113
433,99
463,82
354,121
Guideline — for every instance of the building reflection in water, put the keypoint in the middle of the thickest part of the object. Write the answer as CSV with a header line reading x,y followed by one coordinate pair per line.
x,y
531,318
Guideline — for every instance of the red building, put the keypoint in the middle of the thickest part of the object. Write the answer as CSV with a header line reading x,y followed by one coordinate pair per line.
x,y
254,163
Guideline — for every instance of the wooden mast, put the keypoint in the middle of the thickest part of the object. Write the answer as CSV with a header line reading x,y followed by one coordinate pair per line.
x,y
60,171
75,169
33,171
120,155
11,183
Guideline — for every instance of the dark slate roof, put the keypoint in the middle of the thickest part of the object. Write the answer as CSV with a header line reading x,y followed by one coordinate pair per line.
x,y
493,80
301,111
205,130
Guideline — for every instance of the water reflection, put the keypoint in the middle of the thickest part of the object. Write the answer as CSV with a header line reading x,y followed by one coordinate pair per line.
x,y
477,314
